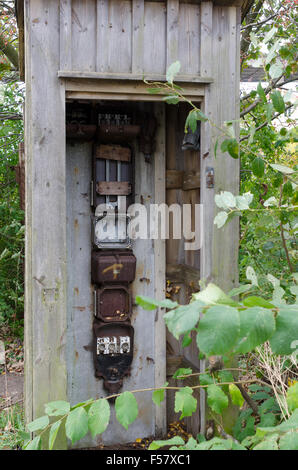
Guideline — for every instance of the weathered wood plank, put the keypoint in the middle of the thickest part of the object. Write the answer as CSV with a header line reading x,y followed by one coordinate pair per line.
x,y
118,39
65,34
174,179
45,310
172,31
191,180
189,39
113,152
113,188
138,49
155,38
181,78
102,15
83,35
159,267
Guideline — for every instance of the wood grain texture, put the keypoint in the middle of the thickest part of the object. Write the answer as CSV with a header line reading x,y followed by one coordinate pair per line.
x,y
65,34
45,309
113,188
83,35
172,31
113,152
138,36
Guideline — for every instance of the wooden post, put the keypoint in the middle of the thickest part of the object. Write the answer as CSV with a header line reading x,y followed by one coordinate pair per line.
x,y
45,297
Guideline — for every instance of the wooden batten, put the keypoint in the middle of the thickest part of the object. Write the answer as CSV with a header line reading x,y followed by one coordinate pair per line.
x,y
113,188
113,152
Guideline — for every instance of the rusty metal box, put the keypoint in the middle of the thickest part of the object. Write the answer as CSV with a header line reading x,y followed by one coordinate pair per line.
x,y
113,267
113,303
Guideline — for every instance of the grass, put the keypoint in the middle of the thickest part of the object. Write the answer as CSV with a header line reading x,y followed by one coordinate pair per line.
x,y
12,428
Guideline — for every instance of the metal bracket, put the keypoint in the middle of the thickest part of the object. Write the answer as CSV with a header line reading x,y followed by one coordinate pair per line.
x,y
209,172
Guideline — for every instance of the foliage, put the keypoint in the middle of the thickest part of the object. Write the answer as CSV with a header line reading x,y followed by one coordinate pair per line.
x,y
11,216
248,326
12,427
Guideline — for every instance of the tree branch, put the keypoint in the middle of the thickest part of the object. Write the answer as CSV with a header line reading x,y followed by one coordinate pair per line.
x,y
266,122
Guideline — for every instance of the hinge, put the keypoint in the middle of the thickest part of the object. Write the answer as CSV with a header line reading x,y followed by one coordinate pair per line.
x,y
209,177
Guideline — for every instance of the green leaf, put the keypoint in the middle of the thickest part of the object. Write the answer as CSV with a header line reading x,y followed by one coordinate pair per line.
x,y
182,371
159,395
206,379
176,440
270,34
35,444
76,425
268,444
98,416
172,71
225,200
271,201
213,295
257,325
171,99
167,303
187,339
191,122
240,290
278,102
200,116
236,395
286,331
276,70
261,92
231,146
225,376
289,425
292,397
53,433
38,424
146,302
282,168
218,330
251,275
258,167
184,318
220,219
151,304
154,91
216,398
126,407
57,408
289,441
254,301
185,402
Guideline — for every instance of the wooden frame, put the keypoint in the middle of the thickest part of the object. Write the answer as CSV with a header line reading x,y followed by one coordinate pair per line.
x,y
52,79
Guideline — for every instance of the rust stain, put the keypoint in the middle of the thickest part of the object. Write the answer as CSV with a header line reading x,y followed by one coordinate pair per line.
x,y
76,224
76,290
76,171
36,20
77,355
149,359
81,309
